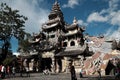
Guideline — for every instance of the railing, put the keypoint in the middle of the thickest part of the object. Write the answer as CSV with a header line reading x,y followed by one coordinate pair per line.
x,y
76,47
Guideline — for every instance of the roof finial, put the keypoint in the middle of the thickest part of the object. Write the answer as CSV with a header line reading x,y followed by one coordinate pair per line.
x,y
74,21
56,1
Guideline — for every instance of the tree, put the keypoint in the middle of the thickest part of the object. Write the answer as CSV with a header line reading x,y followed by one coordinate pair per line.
x,y
114,45
11,25
24,45
118,45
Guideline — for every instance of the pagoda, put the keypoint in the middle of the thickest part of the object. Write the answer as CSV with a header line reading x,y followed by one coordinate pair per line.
x,y
55,25
59,43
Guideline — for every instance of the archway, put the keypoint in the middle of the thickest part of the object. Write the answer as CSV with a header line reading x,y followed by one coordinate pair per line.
x,y
59,65
110,69
46,63
72,43
65,44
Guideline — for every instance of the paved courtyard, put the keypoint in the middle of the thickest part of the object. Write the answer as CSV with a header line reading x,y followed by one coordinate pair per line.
x,y
60,76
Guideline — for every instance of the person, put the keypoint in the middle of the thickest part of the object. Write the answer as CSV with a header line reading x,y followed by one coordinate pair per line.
x,y
13,71
73,73
46,71
8,71
21,71
99,72
81,75
117,74
3,72
0,70
27,71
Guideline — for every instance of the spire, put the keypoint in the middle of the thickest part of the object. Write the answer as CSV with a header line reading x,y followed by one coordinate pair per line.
x,y
56,11
56,1
74,20
56,7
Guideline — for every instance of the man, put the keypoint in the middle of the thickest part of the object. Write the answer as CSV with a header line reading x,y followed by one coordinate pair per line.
x,y
73,73
99,72
81,75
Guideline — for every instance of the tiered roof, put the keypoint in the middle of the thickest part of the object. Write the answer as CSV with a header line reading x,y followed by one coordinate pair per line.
x,y
55,18
56,25
72,26
51,23
56,10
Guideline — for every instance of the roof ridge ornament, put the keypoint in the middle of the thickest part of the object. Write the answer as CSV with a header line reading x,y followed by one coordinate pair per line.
x,y
75,20
56,6
56,1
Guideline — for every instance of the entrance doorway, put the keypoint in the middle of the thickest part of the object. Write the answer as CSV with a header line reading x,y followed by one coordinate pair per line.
x,y
59,65
110,69
46,63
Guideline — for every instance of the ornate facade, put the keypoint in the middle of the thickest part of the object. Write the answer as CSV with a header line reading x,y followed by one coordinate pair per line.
x,y
59,43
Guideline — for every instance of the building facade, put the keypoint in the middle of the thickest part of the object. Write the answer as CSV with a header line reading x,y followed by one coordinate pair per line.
x,y
60,43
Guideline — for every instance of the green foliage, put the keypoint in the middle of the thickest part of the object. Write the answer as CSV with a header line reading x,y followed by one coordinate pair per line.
x,y
8,60
118,45
24,45
115,45
11,25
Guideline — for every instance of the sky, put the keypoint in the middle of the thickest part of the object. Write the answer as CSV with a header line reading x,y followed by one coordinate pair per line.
x,y
98,16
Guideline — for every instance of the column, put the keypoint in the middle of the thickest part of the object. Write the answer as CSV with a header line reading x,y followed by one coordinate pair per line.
x,y
67,70
53,65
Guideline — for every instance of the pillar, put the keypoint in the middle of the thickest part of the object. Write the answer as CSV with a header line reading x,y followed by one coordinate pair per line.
x,y
53,65
67,69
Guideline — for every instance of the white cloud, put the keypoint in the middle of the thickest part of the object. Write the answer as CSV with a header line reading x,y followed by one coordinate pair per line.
x,y
81,22
31,9
113,4
16,53
115,18
114,35
96,17
108,32
71,3
110,15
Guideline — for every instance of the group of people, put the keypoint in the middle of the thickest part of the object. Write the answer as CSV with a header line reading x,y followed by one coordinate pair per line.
x,y
73,72
24,70
10,71
6,71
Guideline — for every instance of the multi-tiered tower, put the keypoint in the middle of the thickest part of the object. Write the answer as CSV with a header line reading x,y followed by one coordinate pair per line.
x,y
55,25
62,43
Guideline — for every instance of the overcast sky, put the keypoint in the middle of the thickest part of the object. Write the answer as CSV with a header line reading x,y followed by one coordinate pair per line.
x,y
99,16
